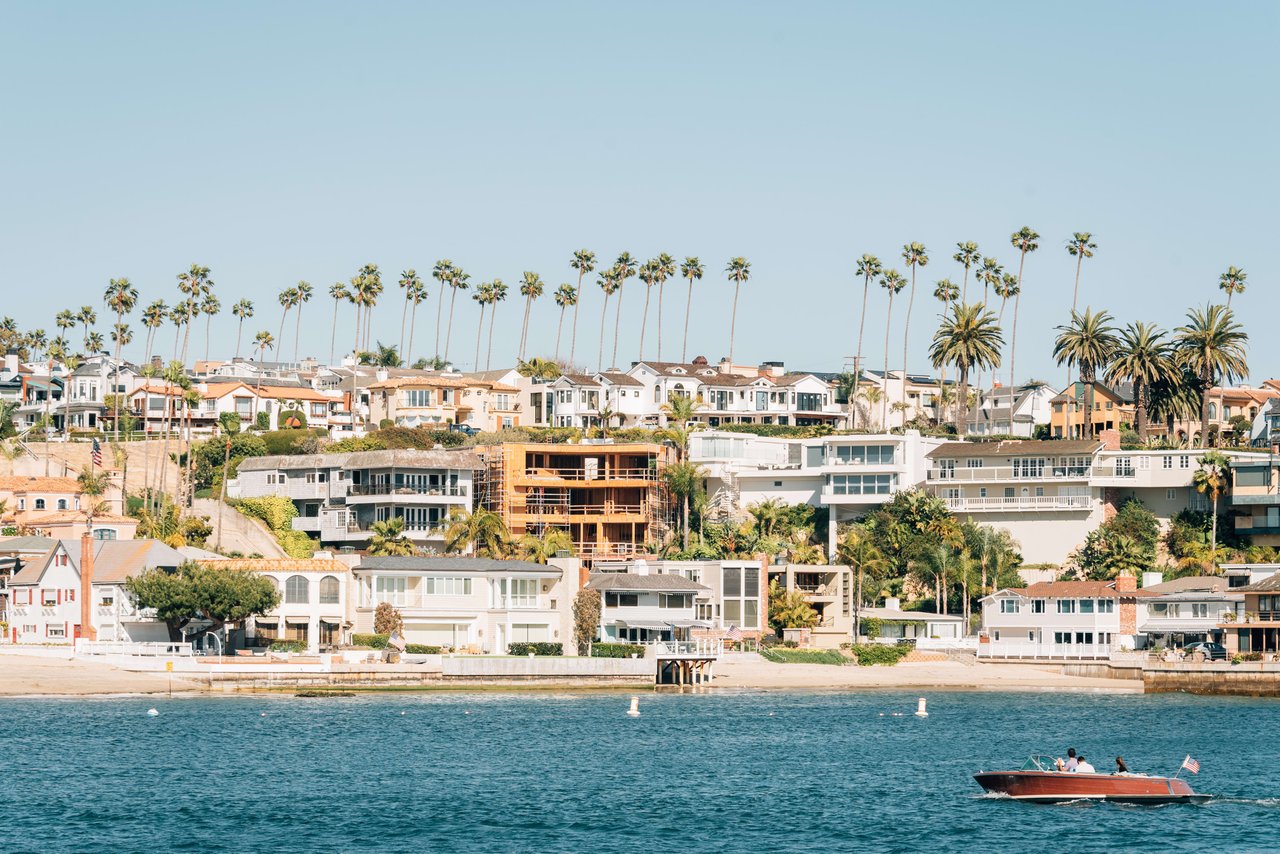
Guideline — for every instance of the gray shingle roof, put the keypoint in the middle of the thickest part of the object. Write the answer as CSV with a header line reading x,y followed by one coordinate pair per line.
x,y
1214,583
1015,447
405,457
615,581
1266,585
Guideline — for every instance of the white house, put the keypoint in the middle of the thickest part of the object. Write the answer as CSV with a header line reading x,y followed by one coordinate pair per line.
x,y
1061,619
1187,610
1004,412
313,600
638,608
734,593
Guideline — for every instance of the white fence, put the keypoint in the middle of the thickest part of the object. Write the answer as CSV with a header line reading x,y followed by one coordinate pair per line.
x,y
151,650
700,648
970,643
1045,651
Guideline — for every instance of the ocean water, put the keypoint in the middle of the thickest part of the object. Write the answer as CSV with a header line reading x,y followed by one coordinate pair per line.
x,y
734,772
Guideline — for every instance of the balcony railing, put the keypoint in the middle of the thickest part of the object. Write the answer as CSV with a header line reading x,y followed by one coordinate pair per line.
x,y
1044,652
605,509
994,473
599,550
1032,502
406,489
601,473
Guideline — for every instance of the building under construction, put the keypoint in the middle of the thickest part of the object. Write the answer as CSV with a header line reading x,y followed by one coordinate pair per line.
x,y
610,498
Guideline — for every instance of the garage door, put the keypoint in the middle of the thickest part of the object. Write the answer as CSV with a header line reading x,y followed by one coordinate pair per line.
x,y
529,632
436,634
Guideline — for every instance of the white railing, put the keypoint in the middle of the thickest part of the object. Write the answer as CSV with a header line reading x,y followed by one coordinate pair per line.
x,y
701,647
995,473
1044,651
947,643
1025,502
151,649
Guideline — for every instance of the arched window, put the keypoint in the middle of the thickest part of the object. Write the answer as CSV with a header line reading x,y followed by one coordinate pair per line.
x,y
1213,411
328,590
39,503
296,590
62,504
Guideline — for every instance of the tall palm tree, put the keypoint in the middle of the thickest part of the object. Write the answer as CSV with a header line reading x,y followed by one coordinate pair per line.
x,y
584,261
666,269
1212,345
86,318
121,297
968,338
893,282
417,293
458,281
1025,241
193,284
626,267
153,317
442,272
371,280
1143,359
857,550
288,299
409,283
868,268
301,296
1006,288
690,269
1080,247
531,288
967,255
946,292
243,310
95,343
1232,282
1213,478
499,295
989,274
566,295
608,281
210,309
484,297
738,270
1088,343
913,255
263,342
481,532
649,275
1175,398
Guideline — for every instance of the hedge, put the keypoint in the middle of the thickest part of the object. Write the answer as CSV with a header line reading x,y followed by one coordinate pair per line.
x,y
288,646
372,641
878,653
421,649
782,655
616,650
527,647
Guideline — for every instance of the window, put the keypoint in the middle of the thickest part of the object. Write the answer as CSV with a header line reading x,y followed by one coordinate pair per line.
x,y
1171,494
1124,466
1028,467
870,455
674,600
62,504
393,590
621,600
39,503
1199,609
106,600
244,407
973,463
48,598
1066,606
1166,462
1086,606
862,484
1184,462
104,533
995,635
524,592
1106,606
1009,606
1037,606
317,477
297,590
447,586
417,397
56,631
329,590
946,469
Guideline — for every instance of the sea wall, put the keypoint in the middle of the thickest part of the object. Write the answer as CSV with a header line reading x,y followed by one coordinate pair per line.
x,y
1247,679
1103,670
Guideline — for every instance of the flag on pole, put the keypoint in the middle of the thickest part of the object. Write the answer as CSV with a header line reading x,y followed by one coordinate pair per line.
x,y
97,453
1191,765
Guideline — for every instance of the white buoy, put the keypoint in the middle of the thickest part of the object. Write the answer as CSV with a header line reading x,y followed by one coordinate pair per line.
x,y
920,709
152,713
263,715
634,711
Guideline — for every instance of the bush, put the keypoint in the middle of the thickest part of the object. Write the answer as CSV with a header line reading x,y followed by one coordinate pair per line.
x,y
790,644
526,647
275,510
616,650
286,442
296,544
876,653
371,641
291,419
1252,656
803,656
288,646
421,649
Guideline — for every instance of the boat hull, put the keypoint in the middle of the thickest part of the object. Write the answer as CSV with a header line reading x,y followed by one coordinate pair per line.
x,y
1055,787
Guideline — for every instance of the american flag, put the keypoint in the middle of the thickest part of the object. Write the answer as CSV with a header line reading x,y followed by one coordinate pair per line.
x,y
1191,765
97,453
735,634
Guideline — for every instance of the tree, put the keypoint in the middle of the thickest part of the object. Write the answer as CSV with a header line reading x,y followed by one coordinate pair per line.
x,y
586,619
690,269
121,297
666,268
388,539
410,283
338,293
624,268
153,317
893,282
213,593
242,310
193,284
738,270
566,295
789,610
484,297
1080,247
968,338
608,282
458,281
531,288
442,272
967,255
857,550
481,532
868,268
1142,358
584,261
914,255
1212,346
1089,342
288,298
93,485
1232,282
1213,478
301,296
685,480
543,369
498,295
1025,241
946,292
540,549
649,275
382,355
387,619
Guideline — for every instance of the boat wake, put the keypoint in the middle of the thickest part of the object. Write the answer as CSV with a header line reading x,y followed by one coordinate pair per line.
x,y
1252,802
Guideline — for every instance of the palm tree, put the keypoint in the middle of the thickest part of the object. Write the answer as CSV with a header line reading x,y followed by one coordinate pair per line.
x,y
1080,247
530,288
93,485
969,337
584,261
382,356
458,281
989,274
543,369
371,278
1232,282
857,550
914,255
1006,288
483,296
288,299
566,295
209,308
1024,240
608,281
193,284
301,296
738,270
388,539
1089,342
153,317
1212,346
243,310
893,282
95,344
541,549
442,272
409,283
846,386
625,267
1213,478
499,295
967,255
121,297
417,293
946,293
86,318
1143,359
648,275
691,269
666,269
481,532
868,268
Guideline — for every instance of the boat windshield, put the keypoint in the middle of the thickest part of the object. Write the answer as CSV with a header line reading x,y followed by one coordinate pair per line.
x,y
1039,762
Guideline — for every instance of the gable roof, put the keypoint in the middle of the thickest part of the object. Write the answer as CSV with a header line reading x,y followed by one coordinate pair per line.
x,y
1206,583
446,458
1016,447
326,565
655,583
113,560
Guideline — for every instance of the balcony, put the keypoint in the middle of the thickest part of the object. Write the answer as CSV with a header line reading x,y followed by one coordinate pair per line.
x,y
609,508
591,474
1000,504
375,489
998,473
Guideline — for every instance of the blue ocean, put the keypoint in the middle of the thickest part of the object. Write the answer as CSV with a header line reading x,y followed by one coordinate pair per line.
x,y
721,771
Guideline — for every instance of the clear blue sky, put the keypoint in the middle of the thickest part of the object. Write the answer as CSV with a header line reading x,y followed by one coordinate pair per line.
x,y
282,141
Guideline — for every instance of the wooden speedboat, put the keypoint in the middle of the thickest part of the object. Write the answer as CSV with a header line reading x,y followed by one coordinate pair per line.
x,y
1039,781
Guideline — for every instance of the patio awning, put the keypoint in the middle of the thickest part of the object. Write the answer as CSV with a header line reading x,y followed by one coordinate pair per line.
x,y
628,624
1175,627
297,621
689,624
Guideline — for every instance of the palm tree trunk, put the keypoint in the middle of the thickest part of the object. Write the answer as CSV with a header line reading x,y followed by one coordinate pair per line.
x,y
684,534
733,318
479,329
297,334
524,328
617,318
857,606
449,333
1140,410
603,312
884,401
857,359
644,320
333,335
1213,547
413,327
488,359
1075,294
906,339
559,330
661,284
1013,338
1206,379
1088,407
439,309
280,337
962,401
403,317
684,349
208,324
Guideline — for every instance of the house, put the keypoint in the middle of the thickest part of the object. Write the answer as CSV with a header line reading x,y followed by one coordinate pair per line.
x,y
470,604
159,406
581,400
80,583
313,601
1187,610
1061,619
887,401
1255,498
439,400
829,591
339,497
1255,628
14,553
56,507
734,595
644,607
608,497
1007,412
893,624
1113,409
88,387
1225,406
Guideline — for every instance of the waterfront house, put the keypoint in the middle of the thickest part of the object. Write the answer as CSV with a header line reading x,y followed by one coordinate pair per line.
x,y
1061,619
829,591
734,594
439,400
1187,610
470,604
1003,411
1255,498
893,624
313,600
1255,627
641,607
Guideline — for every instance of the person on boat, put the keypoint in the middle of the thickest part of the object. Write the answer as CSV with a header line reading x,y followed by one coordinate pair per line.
x,y
1083,766
1121,768
1070,764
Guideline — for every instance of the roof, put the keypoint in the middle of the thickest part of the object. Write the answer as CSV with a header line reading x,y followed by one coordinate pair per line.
x,y
326,565
453,564
438,381
65,517
1016,448
1075,590
113,560
696,370
448,458
26,545
1269,584
899,614
18,483
619,378
1121,391
214,390
1208,583
656,583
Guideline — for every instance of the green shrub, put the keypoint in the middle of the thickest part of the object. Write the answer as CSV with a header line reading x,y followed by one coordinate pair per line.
x,y
285,442
421,649
783,655
288,646
790,644
296,544
870,626
526,647
1252,656
878,653
275,510
371,641
616,650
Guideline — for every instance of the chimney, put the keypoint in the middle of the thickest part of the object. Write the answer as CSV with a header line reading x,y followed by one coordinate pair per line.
x,y
11,362
1110,439
641,567
892,603
157,363
1150,579
1126,583
87,630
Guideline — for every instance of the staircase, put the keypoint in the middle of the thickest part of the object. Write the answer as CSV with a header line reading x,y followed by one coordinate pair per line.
x,y
725,503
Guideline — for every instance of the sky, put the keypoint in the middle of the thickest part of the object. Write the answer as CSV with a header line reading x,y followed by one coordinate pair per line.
x,y
278,142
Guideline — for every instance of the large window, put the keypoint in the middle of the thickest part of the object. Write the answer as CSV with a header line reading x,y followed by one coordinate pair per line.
x,y
1086,606
862,484
870,455
297,590
417,397
393,590
1009,606
1066,606
741,594
447,586
524,593
1106,606
329,590
1028,466
621,600
674,600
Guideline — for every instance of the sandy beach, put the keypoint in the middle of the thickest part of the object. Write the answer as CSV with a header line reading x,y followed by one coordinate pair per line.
x,y
948,675
20,675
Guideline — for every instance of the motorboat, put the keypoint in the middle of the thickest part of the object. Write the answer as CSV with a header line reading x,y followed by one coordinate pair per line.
x,y
1039,781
